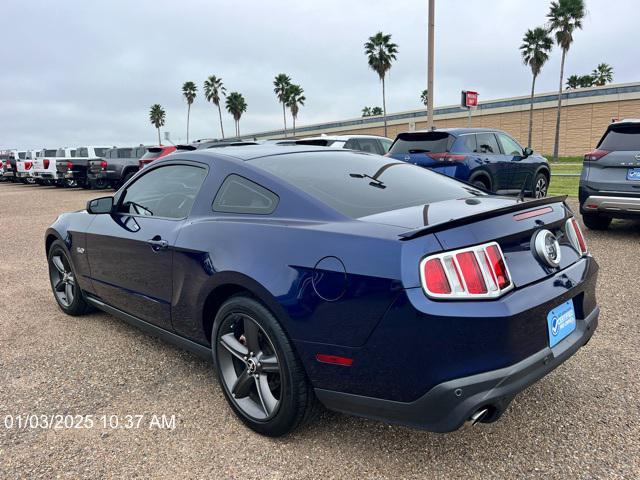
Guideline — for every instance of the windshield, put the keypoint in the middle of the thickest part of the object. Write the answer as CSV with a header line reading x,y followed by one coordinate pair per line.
x,y
624,138
49,153
358,185
422,142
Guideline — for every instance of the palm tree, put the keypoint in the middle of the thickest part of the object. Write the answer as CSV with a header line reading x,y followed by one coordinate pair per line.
x,y
381,52
565,17
156,117
535,48
585,81
295,98
236,106
281,83
602,74
424,97
213,89
366,112
375,111
573,82
189,90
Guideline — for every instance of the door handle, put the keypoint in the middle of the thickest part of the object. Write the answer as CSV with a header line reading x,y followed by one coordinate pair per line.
x,y
157,243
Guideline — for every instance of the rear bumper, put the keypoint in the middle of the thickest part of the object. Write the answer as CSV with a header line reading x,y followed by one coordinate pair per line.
x,y
448,405
611,205
103,175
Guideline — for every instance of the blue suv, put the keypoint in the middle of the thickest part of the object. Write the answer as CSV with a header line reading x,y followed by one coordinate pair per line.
x,y
487,158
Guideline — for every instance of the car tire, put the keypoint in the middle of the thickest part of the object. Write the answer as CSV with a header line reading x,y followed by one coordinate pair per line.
x,y
481,183
593,221
540,186
99,184
267,389
69,183
62,276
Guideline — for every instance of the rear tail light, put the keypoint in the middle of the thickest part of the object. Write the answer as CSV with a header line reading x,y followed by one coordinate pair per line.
x,y
594,155
69,165
468,273
575,236
28,165
103,164
447,157
45,162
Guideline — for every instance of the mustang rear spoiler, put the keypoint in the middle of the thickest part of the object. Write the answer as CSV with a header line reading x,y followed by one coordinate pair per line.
x,y
456,222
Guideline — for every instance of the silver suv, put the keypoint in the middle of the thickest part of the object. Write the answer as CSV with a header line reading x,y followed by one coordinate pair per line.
x,y
610,179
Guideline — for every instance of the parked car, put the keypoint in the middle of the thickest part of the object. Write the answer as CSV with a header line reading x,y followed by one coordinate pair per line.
x,y
154,153
73,172
44,169
375,287
487,158
117,167
610,180
362,143
24,166
8,158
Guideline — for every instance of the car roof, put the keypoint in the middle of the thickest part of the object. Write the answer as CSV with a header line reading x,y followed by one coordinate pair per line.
x,y
342,137
458,130
626,120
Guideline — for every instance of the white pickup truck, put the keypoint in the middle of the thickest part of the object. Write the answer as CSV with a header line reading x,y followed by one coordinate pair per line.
x,y
44,166
24,166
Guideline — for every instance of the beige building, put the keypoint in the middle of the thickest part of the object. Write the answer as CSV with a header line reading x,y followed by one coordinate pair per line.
x,y
586,113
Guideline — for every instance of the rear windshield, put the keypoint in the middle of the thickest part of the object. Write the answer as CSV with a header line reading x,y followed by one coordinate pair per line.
x,y
125,152
100,151
82,152
422,142
151,154
50,153
358,185
621,138
22,155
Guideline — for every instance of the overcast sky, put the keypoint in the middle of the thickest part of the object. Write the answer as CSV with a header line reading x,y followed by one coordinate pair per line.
x,y
86,72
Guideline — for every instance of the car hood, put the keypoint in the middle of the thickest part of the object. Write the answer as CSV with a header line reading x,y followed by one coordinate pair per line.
x,y
439,212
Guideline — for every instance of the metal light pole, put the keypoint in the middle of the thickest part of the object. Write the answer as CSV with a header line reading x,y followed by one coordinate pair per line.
x,y
430,64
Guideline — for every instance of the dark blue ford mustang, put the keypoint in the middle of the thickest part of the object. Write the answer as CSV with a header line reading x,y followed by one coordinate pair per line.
x,y
315,276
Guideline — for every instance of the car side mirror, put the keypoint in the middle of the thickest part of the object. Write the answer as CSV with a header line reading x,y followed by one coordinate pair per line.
x,y
527,152
100,205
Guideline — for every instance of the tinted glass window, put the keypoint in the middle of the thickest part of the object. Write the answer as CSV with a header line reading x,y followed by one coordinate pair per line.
x,y
464,144
436,142
22,155
509,145
622,138
60,153
50,153
368,145
140,151
239,195
487,143
125,153
73,153
359,185
82,152
153,153
386,144
100,151
164,192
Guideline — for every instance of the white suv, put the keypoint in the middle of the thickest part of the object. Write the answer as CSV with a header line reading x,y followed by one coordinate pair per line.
x,y
362,143
24,166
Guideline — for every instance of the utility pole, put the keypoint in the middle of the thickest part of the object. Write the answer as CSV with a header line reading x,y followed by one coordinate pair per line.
x,y
430,64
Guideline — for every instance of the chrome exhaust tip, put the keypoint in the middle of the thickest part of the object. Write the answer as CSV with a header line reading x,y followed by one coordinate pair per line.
x,y
478,416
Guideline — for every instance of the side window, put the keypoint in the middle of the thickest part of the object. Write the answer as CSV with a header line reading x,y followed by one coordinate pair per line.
x,y
240,195
352,144
125,153
167,192
73,153
509,145
370,145
464,144
487,143
386,144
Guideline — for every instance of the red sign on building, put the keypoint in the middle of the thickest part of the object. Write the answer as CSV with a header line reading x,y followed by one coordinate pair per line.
x,y
471,99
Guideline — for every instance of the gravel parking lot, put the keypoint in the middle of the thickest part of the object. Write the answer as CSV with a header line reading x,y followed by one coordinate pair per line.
x,y
581,421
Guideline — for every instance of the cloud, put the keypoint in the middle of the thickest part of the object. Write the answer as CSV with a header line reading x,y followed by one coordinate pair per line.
x,y
78,72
